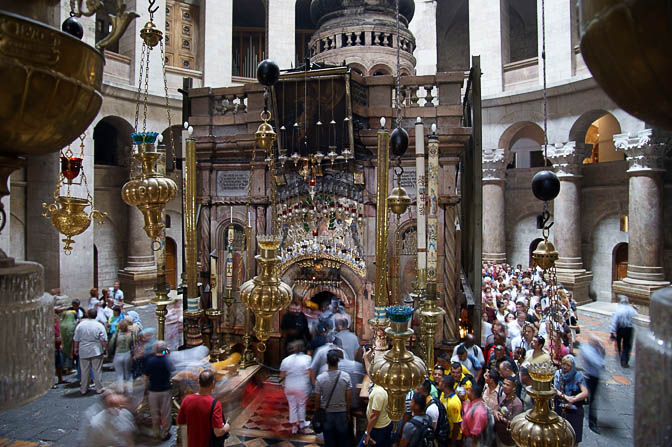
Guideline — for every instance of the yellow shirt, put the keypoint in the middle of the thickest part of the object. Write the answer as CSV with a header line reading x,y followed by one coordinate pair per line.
x,y
378,402
453,406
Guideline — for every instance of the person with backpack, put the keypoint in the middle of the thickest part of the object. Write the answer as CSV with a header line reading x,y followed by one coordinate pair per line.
x,y
461,375
453,406
478,422
418,430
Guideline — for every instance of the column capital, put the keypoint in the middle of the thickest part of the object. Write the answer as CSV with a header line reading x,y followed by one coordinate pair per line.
x,y
644,150
564,158
494,165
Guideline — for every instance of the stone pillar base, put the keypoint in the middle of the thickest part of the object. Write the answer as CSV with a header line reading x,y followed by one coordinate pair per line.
x,y
496,258
138,286
27,311
638,291
576,281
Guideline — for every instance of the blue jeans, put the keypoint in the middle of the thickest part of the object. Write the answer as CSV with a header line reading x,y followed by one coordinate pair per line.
x,y
383,436
335,429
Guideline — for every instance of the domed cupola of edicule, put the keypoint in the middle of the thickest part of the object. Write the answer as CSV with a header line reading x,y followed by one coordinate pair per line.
x,y
363,33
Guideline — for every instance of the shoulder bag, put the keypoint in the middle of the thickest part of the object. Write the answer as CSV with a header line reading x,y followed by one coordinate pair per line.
x,y
216,441
318,418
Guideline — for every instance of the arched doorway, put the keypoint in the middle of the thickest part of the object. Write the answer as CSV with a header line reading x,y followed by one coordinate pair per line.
x,y
171,263
620,261
112,141
533,246
593,133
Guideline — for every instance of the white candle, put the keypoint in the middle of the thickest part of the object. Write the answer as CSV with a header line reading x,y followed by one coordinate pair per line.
x,y
213,281
421,181
231,215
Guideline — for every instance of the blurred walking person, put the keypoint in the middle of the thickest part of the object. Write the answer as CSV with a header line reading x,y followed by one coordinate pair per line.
x,y
621,329
332,393
294,370
158,372
592,356
120,349
90,341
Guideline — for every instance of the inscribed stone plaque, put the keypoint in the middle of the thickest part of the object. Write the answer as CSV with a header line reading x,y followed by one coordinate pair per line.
x,y
232,183
408,181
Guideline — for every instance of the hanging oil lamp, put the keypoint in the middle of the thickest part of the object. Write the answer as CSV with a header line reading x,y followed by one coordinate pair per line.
x,y
399,200
150,190
67,213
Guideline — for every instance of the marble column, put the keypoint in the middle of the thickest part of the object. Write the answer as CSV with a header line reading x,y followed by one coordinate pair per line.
x,y
138,277
217,23
280,18
494,206
644,152
567,218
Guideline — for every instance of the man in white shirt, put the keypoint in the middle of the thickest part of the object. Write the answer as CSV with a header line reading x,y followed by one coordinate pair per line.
x,y
90,341
117,295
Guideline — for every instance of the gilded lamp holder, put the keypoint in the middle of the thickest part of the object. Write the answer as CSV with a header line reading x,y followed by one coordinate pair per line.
x,y
68,216
541,426
265,294
150,191
398,370
399,200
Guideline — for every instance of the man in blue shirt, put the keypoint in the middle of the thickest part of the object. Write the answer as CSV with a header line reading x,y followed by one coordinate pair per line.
x,y
158,371
621,329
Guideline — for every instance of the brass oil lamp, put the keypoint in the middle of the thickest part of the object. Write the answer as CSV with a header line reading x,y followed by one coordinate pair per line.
x,y
68,214
265,294
545,254
541,426
399,200
398,370
150,191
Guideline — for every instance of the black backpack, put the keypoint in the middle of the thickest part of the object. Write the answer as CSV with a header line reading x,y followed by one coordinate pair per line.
x,y
442,430
426,437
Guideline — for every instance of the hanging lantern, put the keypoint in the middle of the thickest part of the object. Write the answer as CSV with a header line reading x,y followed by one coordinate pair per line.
x,y
265,135
265,294
150,191
545,254
398,200
67,213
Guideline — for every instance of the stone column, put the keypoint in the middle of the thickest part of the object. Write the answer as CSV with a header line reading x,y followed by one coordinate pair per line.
x,y
423,27
644,153
281,32
217,23
138,277
567,218
494,206
488,15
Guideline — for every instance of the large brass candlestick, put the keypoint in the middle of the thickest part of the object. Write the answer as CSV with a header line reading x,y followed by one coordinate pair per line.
x,y
431,312
379,321
541,426
265,294
398,370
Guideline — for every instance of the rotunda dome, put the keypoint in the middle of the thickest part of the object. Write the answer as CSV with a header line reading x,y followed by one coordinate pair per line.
x,y
320,8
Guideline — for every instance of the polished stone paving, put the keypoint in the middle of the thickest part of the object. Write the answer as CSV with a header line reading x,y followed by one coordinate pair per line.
x,y
56,418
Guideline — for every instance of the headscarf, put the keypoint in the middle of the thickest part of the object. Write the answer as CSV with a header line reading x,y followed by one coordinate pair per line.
x,y
567,382
136,318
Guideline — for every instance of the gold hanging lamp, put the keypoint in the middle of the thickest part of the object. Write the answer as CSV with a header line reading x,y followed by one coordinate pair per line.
x,y
399,200
67,213
150,190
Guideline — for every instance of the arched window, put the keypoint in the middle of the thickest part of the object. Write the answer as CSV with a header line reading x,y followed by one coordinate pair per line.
x,y
304,29
249,37
112,141
452,30
519,30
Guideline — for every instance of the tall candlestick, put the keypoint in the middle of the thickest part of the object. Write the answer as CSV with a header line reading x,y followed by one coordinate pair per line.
x,y
229,262
421,181
231,215
213,282
193,300
433,212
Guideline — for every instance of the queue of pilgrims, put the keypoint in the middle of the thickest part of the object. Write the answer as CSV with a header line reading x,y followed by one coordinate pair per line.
x,y
469,399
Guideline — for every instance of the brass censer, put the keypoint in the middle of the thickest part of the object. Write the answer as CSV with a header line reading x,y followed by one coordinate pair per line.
x,y
67,213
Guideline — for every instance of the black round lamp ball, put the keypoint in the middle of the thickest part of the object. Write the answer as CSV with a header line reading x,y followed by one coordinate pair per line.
x,y
73,27
399,141
268,72
545,185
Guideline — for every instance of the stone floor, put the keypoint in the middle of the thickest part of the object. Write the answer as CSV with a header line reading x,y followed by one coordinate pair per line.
x,y
55,419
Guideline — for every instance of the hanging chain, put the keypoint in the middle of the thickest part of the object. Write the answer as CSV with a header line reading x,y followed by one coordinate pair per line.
x,y
137,97
398,71
165,91
543,62
144,102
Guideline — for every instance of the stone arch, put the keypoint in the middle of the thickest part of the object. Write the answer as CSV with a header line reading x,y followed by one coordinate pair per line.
x,y
403,266
527,133
381,70
606,235
241,257
585,128
358,68
112,141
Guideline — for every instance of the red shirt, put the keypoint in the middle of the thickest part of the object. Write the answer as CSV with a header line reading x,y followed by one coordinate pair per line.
x,y
474,422
194,413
